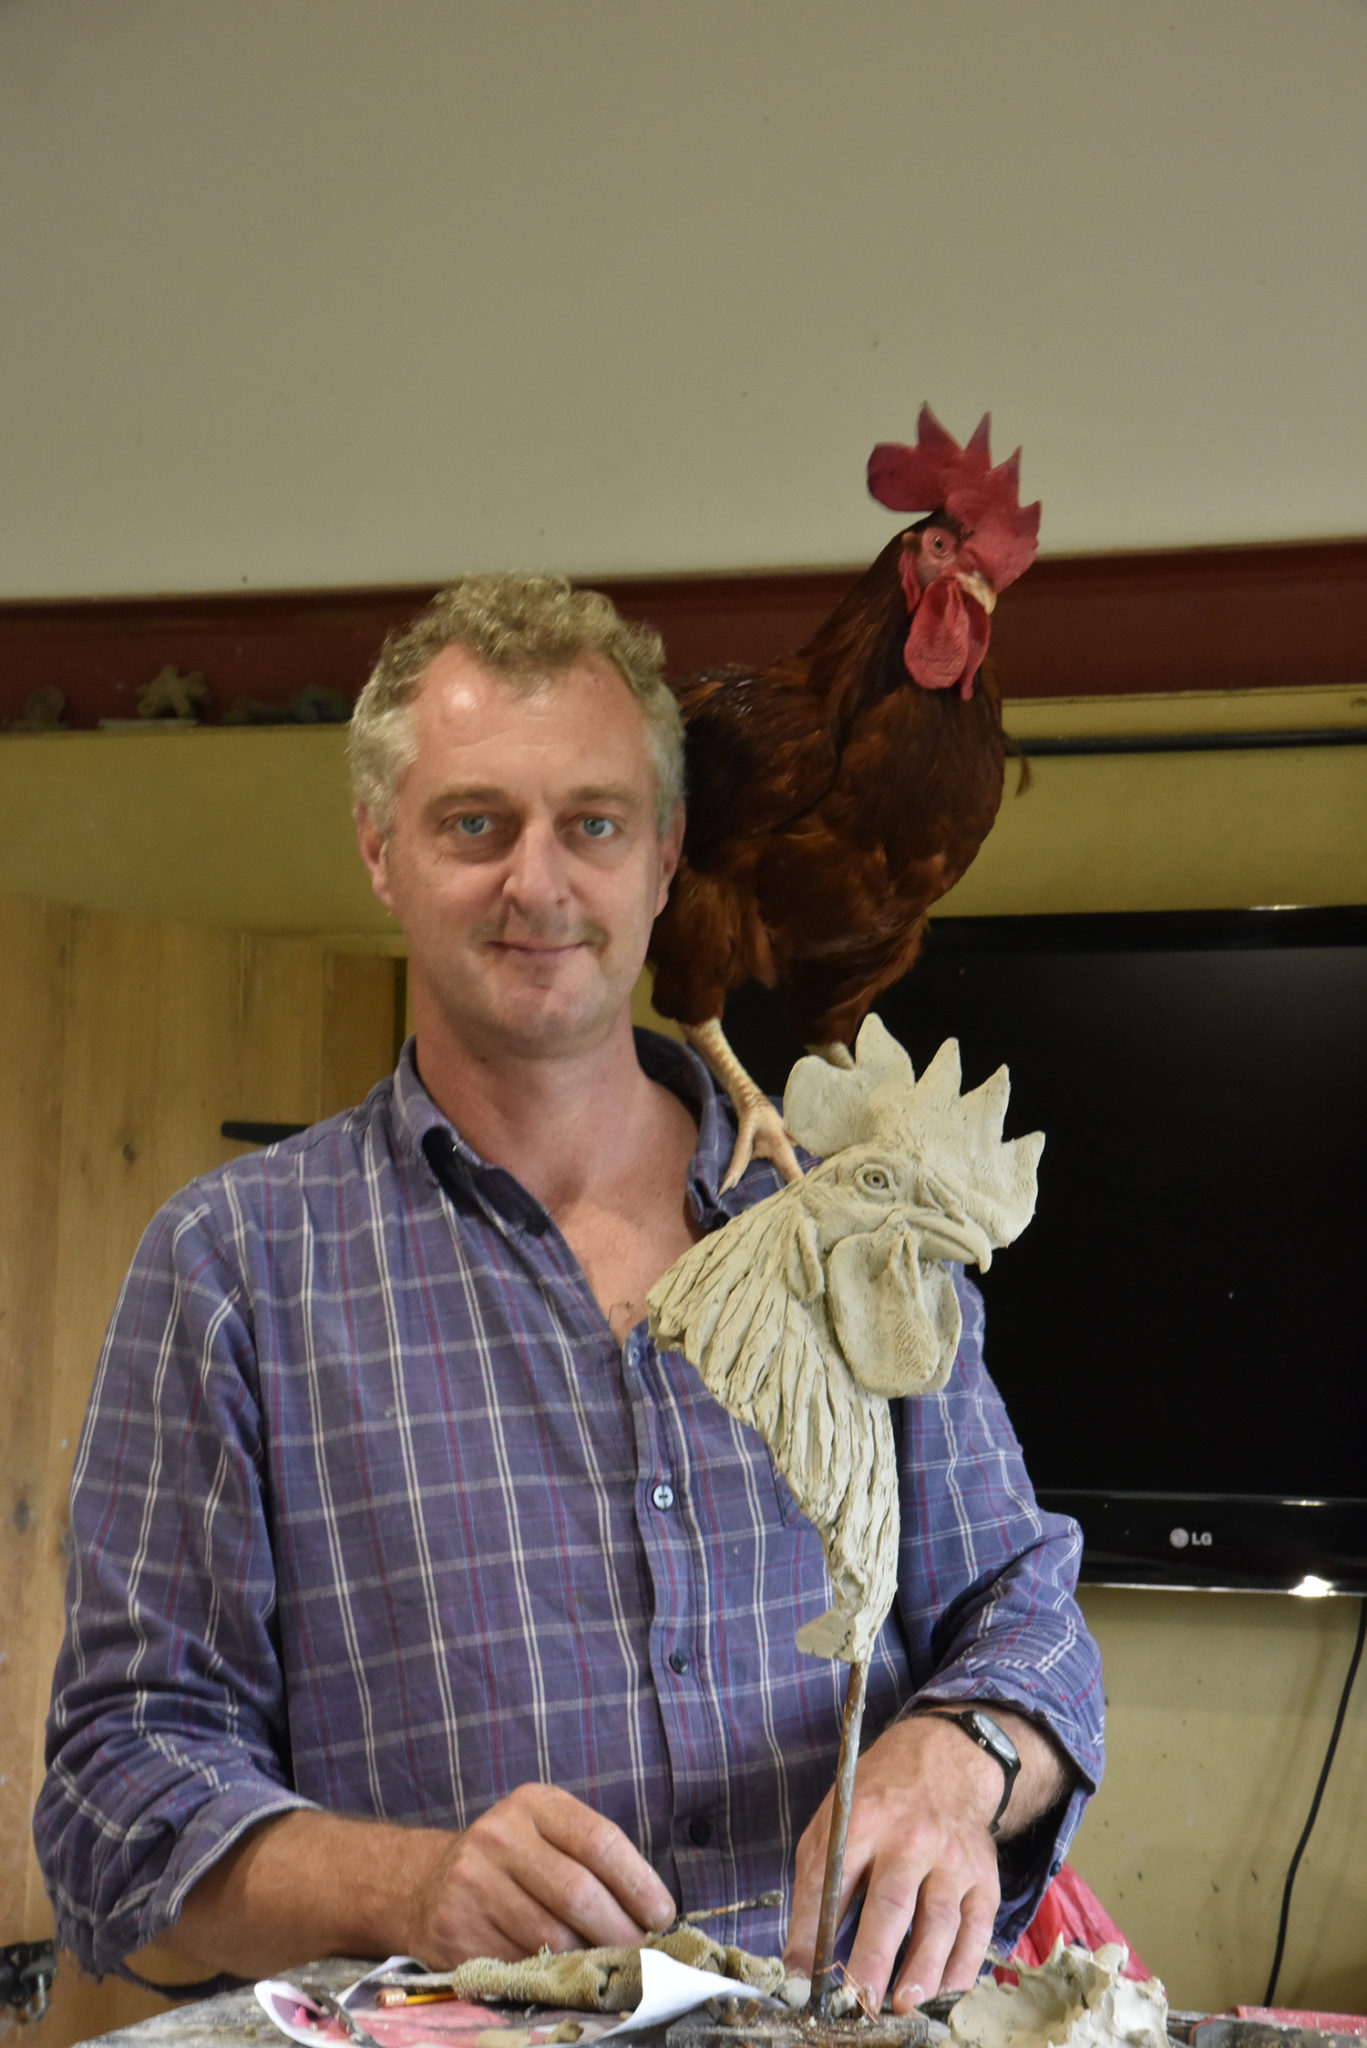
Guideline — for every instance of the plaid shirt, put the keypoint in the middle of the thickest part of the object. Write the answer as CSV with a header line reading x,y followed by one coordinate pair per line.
x,y
372,1512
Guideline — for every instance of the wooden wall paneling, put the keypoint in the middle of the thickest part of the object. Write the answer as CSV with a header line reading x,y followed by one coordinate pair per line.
x,y
105,1194
37,947
126,1044
364,1019
82,2007
160,1016
195,1049
148,1018
33,952
274,1074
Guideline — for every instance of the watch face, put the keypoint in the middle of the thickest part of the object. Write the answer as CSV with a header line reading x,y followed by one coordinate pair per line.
x,y
996,1739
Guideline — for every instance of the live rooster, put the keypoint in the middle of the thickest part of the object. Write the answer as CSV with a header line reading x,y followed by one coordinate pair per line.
x,y
836,794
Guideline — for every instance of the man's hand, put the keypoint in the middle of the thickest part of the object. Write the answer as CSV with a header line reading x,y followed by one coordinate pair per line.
x,y
919,1851
538,1867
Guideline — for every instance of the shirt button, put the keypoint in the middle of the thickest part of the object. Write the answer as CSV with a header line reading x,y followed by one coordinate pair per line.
x,y
663,1496
678,1662
700,1831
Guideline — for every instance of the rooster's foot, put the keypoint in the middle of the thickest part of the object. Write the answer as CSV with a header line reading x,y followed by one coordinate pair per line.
x,y
835,1054
760,1134
760,1130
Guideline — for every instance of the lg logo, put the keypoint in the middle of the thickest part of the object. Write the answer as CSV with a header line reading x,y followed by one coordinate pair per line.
x,y
1180,1538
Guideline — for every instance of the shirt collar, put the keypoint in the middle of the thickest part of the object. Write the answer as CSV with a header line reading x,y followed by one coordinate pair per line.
x,y
666,1060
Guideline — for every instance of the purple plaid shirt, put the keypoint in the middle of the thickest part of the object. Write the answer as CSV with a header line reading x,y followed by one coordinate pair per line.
x,y
372,1512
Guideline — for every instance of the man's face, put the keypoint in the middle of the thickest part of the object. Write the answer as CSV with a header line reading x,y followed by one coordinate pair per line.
x,y
524,863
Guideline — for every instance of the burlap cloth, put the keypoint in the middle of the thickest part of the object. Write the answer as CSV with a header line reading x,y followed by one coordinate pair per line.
x,y
606,1979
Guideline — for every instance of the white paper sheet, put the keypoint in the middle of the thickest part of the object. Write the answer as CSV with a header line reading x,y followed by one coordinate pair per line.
x,y
670,1988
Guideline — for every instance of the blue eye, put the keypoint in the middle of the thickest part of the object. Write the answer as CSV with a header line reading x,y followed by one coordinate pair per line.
x,y
598,828
474,825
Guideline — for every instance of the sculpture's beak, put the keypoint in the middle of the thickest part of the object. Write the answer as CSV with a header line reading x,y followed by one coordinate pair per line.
x,y
955,1238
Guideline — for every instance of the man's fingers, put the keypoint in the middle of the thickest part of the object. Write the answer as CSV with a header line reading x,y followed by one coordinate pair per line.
x,y
581,1901
608,1878
510,1923
538,1870
920,1852
892,1898
949,1937
977,1917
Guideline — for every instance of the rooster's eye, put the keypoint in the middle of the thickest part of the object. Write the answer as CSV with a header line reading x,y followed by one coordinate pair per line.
x,y
873,1180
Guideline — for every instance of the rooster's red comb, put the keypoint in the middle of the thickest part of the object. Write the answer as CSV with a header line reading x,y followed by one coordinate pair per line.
x,y
937,475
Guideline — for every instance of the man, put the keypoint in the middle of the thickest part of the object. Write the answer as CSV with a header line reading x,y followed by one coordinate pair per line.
x,y
418,1604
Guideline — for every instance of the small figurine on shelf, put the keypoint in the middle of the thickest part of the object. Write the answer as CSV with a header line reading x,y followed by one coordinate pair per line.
x,y
44,710
173,693
313,705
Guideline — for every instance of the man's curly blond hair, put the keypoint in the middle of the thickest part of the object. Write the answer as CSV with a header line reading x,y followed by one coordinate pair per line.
x,y
528,630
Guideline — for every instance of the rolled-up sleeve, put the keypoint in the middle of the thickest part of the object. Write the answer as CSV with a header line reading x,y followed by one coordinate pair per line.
x,y
168,1734
987,1596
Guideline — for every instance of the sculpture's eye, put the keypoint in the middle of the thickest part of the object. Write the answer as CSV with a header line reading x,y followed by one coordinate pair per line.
x,y
873,1180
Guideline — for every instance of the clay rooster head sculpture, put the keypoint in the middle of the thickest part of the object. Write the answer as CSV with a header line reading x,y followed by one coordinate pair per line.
x,y
977,538
807,1313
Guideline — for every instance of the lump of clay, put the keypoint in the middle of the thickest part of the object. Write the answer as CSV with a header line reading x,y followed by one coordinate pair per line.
x,y
807,1312
1073,2000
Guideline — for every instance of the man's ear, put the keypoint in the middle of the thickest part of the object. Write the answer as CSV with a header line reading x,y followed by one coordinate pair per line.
x,y
671,846
375,853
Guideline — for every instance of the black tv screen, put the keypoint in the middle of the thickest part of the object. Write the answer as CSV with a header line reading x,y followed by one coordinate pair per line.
x,y
1181,1333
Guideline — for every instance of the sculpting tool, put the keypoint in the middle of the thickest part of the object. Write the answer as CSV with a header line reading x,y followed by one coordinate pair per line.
x,y
319,1995
760,1899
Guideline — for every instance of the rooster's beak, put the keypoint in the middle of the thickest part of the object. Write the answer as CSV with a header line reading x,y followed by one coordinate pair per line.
x,y
977,586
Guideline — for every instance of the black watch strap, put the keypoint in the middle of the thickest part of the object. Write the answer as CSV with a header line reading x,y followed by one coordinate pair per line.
x,y
990,1736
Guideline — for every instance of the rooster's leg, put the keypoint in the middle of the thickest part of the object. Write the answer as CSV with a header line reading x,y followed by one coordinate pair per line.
x,y
760,1129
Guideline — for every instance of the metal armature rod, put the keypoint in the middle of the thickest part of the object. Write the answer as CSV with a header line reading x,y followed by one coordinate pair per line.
x,y
823,1962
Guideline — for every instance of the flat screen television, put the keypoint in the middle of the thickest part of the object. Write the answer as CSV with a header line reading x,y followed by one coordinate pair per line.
x,y
1181,1334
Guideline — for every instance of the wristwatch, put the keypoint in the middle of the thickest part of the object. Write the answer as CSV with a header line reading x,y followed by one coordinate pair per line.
x,y
982,1729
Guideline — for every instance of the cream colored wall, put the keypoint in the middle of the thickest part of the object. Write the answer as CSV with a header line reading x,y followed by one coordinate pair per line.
x,y
319,291
1219,1712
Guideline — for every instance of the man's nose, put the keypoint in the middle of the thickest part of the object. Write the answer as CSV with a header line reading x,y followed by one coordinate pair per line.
x,y
538,867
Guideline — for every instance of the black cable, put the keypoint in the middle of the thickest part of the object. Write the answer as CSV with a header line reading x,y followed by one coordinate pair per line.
x,y
1315,1802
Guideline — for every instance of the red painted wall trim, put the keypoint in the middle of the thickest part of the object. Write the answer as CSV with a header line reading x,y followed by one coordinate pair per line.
x,y
1088,625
